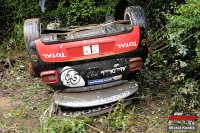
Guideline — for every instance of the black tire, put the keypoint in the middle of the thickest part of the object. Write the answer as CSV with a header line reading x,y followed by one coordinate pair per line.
x,y
31,30
137,17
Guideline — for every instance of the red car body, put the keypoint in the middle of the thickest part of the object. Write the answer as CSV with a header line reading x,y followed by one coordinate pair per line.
x,y
74,51
88,65
47,58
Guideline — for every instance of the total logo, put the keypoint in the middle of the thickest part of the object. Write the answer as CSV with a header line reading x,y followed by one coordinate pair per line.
x,y
124,45
54,55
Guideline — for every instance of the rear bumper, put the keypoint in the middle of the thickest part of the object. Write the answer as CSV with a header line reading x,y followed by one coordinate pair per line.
x,y
96,97
93,75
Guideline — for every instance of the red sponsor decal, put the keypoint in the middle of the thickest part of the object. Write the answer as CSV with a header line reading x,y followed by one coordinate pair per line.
x,y
182,118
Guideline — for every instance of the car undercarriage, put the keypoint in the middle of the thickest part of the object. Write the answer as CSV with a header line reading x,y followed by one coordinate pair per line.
x,y
90,67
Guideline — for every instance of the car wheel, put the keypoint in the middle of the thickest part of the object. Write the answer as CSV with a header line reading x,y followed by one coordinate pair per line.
x,y
31,30
137,17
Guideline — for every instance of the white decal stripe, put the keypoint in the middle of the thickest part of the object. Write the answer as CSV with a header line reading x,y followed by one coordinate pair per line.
x,y
114,70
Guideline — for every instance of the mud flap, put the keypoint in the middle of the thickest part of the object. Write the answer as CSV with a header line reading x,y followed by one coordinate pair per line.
x,y
92,103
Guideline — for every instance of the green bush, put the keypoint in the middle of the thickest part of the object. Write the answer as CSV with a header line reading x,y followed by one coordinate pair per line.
x,y
63,126
76,12
183,30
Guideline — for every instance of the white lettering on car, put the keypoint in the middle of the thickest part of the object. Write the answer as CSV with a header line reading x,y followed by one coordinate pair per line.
x,y
56,55
93,49
113,70
130,44
87,111
98,101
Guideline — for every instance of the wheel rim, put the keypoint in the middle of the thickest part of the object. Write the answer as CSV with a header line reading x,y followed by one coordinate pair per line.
x,y
127,16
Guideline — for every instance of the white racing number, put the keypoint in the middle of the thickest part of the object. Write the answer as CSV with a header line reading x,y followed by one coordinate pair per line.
x,y
93,49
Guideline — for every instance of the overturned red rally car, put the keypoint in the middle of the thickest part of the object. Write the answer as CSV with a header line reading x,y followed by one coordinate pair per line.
x,y
90,66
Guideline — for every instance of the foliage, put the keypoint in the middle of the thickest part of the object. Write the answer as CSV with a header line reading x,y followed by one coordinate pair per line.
x,y
185,25
186,95
15,11
63,126
175,52
13,14
73,11
184,35
70,12
119,120
83,11
76,12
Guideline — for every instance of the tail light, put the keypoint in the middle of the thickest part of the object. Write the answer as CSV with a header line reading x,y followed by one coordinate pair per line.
x,y
49,77
135,64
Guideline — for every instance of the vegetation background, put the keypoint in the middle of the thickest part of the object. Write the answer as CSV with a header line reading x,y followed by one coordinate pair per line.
x,y
168,80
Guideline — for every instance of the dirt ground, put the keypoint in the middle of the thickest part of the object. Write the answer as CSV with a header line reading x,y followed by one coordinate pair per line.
x,y
23,98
